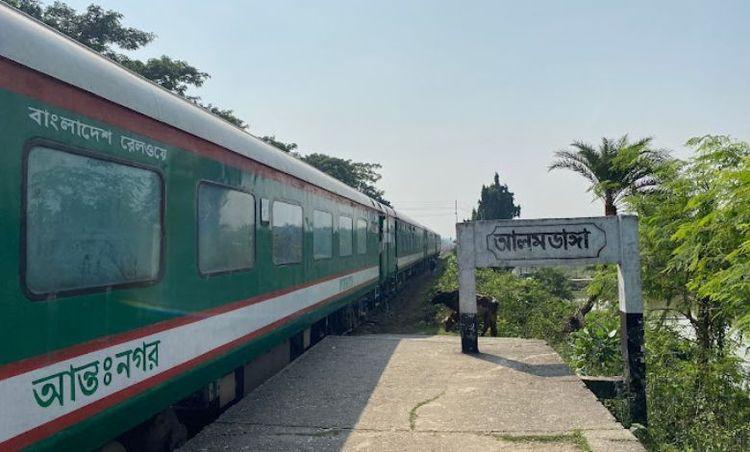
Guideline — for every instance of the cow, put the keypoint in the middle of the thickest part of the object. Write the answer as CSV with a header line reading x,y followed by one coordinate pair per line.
x,y
486,311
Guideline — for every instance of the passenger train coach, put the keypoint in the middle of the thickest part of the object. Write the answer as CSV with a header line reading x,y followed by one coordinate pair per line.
x,y
151,252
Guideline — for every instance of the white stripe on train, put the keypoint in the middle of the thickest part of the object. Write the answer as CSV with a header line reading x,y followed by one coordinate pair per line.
x,y
410,259
176,346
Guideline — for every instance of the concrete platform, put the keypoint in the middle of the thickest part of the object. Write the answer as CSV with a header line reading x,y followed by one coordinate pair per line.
x,y
389,393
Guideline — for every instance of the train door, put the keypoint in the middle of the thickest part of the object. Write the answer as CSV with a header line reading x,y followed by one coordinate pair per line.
x,y
384,245
393,252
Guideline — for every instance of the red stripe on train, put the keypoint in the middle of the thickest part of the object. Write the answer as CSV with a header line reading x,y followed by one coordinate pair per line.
x,y
43,431
35,362
28,82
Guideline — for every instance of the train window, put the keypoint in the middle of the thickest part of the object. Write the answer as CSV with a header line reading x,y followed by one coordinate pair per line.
x,y
345,236
322,234
90,223
361,236
226,229
265,210
287,233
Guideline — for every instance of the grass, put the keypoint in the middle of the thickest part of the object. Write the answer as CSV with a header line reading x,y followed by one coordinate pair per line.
x,y
413,412
575,438
410,311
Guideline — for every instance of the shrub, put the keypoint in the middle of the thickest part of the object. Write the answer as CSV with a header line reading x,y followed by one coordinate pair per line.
x,y
596,348
691,407
694,407
527,306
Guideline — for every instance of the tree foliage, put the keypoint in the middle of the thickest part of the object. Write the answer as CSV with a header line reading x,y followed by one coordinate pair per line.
x,y
557,282
615,169
361,176
103,31
693,405
694,247
99,29
289,148
695,239
596,347
496,202
175,75
695,253
528,306
226,114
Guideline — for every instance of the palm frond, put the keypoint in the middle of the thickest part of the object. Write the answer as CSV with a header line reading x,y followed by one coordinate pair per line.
x,y
574,162
617,167
576,167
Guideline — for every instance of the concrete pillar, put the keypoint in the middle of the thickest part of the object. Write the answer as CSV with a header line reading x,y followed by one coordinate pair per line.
x,y
467,298
631,318
510,243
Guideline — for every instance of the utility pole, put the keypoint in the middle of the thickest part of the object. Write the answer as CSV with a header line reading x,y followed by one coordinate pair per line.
x,y
455,211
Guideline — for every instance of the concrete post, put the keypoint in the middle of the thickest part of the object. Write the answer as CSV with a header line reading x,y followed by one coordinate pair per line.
x,y
467,299
631,318
561,241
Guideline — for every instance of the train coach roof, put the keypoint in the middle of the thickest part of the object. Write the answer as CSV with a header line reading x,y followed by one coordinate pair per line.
x,y
412,222
406,219
34,45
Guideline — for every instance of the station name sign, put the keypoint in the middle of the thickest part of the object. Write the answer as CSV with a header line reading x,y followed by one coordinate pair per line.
x,y
560,241
548,242
545,241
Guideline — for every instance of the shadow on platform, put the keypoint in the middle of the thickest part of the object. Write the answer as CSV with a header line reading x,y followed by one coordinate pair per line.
x,y
538,370
397,392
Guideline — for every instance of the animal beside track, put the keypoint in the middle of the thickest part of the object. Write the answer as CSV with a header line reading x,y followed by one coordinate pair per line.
x,y
486,311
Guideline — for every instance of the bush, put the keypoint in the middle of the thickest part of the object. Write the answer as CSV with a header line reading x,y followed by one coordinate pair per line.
x,y
596,348
527,306
693,406
447,281
555,281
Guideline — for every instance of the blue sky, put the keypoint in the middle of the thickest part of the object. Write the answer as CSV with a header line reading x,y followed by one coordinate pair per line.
x,y
443,94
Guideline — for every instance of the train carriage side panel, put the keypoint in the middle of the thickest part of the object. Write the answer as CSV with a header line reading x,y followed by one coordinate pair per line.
x,y
114,193
131,327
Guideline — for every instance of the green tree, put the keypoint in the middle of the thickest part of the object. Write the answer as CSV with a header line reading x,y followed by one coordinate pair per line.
x,y
695,255
289,148
617,168
226,114
556,281
103,31
100,30
175,75
361,176
496,203
693,406
695,240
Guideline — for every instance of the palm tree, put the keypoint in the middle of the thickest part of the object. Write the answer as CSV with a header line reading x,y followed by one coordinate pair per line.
x,y
617,168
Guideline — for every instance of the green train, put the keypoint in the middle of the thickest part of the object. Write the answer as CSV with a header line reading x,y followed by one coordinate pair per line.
x,y
152,252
